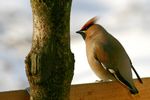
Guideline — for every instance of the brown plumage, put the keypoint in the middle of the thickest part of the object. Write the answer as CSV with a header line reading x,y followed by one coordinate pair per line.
x,y
106,56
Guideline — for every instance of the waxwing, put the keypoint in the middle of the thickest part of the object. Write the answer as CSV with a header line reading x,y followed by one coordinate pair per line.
x,y
106,56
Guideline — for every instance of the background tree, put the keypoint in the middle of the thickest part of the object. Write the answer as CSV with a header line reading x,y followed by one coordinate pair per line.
x,y
49,64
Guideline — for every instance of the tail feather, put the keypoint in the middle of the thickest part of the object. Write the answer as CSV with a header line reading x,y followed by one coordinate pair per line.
x,y
140,80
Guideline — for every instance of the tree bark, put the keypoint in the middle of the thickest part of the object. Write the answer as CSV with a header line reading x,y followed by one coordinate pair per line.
x,y
50,63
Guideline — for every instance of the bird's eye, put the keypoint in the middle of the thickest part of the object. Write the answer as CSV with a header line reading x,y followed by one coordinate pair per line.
x,y
86,28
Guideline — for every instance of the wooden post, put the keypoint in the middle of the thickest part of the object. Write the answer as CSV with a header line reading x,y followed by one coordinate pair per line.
x,y
93,91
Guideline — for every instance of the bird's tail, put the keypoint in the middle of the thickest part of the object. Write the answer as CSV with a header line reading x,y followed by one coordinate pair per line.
x,y
140,80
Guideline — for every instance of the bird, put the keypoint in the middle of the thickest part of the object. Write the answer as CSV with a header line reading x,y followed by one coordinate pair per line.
x,y
106,55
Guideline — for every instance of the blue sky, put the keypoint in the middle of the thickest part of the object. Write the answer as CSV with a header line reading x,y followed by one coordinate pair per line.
x,y
127,20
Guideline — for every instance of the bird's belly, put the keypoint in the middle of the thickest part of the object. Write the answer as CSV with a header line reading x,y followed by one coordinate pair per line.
x,y
98,69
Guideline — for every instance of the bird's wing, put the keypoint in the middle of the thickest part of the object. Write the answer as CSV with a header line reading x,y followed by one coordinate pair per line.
x,y
102,57
119,77
120,73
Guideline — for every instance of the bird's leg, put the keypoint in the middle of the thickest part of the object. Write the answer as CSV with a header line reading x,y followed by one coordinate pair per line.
x,y
100,81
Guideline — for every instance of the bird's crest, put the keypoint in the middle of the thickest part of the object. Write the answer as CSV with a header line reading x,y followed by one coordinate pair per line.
x,y
89,23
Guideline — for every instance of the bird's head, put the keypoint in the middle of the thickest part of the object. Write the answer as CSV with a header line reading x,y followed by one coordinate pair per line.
x,y
86,26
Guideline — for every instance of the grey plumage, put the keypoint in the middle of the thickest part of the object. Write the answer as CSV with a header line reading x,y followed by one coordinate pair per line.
x,y
106,56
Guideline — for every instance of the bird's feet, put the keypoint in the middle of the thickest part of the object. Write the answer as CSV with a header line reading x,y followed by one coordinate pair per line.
x,y
100,81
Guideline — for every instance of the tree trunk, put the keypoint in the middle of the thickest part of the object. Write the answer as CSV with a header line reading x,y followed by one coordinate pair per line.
x,y
50,63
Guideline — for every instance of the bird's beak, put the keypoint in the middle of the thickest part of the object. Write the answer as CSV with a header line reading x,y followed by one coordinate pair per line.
x,y
80,32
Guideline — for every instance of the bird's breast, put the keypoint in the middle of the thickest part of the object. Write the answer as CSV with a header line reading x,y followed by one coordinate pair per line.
x,y
96,65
